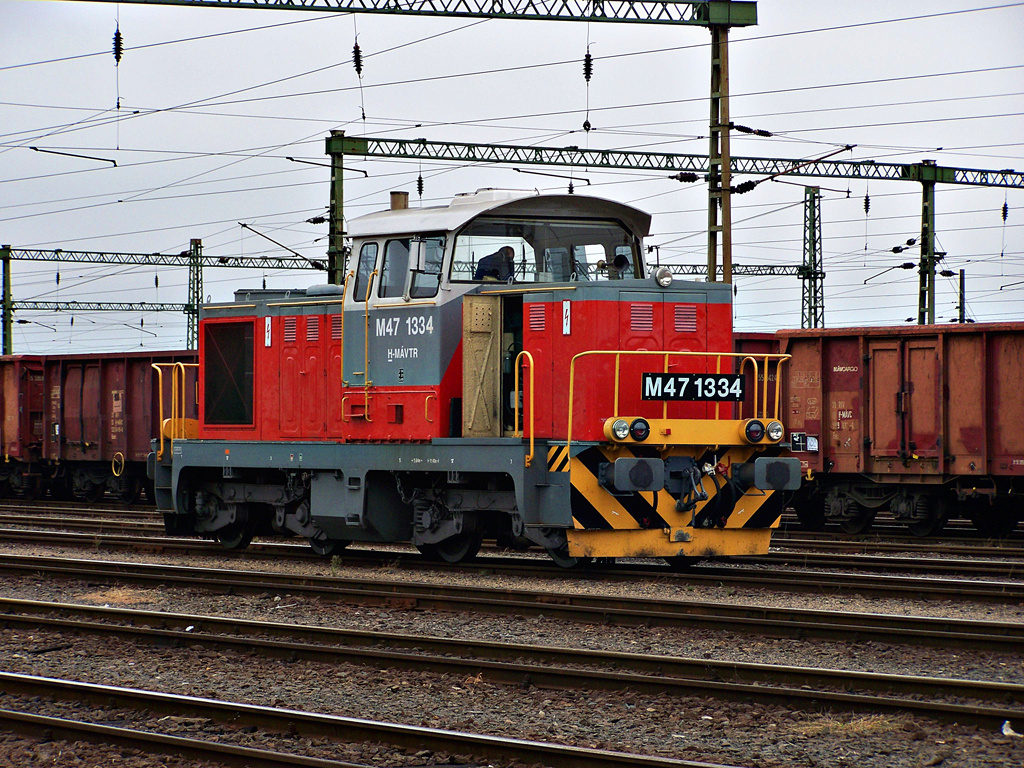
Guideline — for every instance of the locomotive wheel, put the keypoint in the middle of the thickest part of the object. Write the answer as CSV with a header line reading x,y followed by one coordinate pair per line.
x,y
681,563
860,522
237,535
460,548
563,559
327,547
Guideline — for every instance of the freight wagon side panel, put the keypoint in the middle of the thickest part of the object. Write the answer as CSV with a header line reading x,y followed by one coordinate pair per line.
x,y
969,397
1005,377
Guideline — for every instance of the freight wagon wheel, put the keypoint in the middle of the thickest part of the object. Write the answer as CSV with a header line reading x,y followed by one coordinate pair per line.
x,y
860,519
460,548
810,511
996,521
937,513
237,535
93,492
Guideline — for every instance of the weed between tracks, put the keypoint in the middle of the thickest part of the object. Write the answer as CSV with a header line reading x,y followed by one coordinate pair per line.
x,y
869,725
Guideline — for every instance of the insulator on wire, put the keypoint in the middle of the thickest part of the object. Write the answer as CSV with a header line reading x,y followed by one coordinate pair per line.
x,y
419,185
743,187
156,281
753,131
1006,211
685,177
588,66
357,59
587,126
118,46
58,278
317,220
867,204
570,188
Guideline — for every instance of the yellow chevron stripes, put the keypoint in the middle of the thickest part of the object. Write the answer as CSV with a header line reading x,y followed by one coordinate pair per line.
x,y
712,542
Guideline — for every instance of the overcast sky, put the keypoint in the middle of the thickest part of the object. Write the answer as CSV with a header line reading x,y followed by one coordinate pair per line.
x,y
212,101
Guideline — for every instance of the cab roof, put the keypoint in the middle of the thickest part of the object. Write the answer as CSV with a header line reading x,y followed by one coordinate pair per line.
x,y
464,208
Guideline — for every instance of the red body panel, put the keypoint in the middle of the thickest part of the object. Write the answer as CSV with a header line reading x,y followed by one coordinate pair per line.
x,y
644,324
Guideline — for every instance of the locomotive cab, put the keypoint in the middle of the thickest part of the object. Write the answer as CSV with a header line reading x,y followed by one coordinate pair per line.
x,y
501,367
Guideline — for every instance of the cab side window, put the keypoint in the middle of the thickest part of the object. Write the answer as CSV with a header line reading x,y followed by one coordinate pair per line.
x,y
424,284
364,271
395,269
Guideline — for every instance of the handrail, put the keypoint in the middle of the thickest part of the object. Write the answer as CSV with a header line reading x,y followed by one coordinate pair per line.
x,y
779,358
341,353
366,351
515,431
179,377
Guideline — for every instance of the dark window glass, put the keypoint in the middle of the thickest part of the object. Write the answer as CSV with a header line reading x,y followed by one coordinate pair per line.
x,y
228,371
364,271
395,269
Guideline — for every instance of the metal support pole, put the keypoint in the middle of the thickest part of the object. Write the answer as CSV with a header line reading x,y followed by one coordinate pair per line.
x,y
963,297
926,291
811,272
8,312
195,291
719,158
336,235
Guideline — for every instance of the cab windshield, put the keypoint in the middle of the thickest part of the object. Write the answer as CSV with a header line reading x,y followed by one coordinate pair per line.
x,y
535,250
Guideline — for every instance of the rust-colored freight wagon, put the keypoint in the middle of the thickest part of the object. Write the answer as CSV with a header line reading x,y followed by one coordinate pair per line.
x,y
927,421
80,425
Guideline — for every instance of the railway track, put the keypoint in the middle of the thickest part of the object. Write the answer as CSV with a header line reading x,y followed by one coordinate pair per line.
x,y
233,715
591,608
546,667
987,583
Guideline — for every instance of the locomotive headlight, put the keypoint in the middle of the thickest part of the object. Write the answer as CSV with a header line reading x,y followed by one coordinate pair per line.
x,y
774,431
663,276
754,431
639,430
620,429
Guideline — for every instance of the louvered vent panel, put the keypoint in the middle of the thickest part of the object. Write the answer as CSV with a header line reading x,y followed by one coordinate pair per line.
x,y
537,317
312,329
289,330
641,317
686,318
336,327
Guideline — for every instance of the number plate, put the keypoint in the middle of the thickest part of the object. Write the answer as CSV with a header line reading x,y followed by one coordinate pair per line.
x,y
693,387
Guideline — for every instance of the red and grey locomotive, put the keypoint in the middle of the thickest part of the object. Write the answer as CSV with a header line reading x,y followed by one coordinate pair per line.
x,y
503,366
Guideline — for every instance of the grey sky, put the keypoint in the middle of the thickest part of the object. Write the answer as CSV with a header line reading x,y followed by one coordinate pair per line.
x,y
218,113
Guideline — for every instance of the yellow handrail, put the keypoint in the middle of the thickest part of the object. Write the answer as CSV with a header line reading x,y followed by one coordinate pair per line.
x,y
515,431
176,423
778,358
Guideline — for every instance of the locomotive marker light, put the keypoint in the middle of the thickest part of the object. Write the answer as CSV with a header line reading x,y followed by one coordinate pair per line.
x,y
639,430
663,277
754,431
774,431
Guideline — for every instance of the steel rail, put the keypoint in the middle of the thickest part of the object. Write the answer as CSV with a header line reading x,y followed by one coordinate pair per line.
x,y
51,728
317,725
519,664
815,582
592,608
